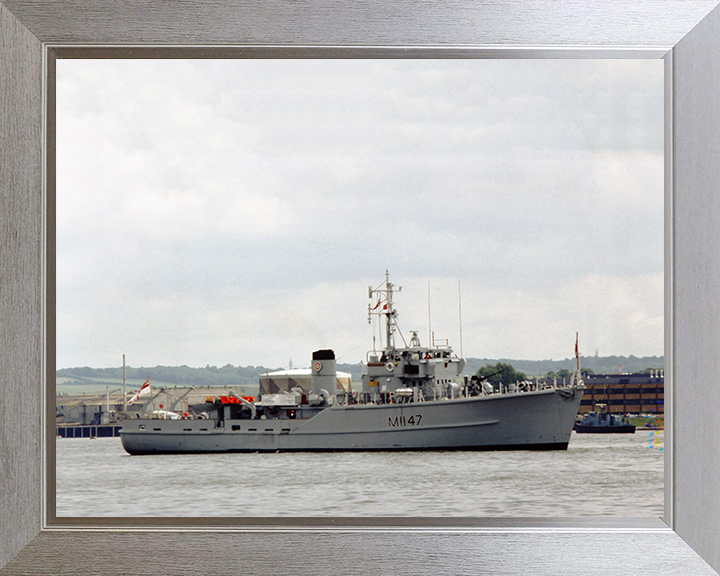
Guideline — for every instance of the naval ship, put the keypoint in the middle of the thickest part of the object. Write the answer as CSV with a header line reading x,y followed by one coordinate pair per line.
x,y
413,397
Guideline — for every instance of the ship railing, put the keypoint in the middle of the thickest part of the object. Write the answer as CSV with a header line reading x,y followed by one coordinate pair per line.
x,y
526,386
453,391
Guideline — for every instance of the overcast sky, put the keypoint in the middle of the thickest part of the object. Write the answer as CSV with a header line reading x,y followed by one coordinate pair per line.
x,y
235,212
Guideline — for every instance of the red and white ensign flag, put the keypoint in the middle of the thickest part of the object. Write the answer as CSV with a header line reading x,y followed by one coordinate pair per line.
x,y
145,390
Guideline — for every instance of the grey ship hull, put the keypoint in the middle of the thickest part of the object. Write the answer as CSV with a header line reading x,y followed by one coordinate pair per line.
x,y
527,420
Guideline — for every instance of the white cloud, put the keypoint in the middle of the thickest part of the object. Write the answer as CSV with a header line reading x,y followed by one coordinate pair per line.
x,y
187,189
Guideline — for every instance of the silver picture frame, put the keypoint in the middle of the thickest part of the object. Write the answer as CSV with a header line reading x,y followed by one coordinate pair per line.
x,y
686,33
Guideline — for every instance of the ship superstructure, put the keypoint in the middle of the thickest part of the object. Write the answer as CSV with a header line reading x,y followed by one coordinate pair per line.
x,y
412,373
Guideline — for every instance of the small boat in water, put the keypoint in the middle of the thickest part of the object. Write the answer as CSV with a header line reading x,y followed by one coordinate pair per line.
x,y
602,422
413,398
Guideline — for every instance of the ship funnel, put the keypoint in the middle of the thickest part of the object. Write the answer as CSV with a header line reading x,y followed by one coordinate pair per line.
x,y
324,371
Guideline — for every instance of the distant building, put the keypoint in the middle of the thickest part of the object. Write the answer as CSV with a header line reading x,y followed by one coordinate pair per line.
x,y
101,409
286,380
87,410
625,393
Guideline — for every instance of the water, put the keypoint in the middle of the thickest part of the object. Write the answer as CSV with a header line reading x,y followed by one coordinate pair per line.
x,y
599,475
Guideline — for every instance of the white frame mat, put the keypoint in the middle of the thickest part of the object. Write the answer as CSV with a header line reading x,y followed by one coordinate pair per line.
x,y
686,33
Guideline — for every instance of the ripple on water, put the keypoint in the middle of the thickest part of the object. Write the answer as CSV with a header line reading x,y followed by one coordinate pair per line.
x,y
615,475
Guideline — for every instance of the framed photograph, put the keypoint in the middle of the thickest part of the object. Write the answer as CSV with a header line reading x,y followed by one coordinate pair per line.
x,y
511,203
683,33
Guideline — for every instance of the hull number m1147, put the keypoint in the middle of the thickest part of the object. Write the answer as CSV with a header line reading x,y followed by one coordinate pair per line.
x,y
399,421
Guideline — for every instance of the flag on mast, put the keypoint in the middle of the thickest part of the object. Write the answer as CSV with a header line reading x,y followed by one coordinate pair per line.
x,y
577,354
145,390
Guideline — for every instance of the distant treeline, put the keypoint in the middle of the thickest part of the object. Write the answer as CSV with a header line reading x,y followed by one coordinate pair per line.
x,y
598,365
230,375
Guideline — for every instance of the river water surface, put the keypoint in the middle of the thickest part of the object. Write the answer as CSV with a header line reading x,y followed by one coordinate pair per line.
x,y
606,474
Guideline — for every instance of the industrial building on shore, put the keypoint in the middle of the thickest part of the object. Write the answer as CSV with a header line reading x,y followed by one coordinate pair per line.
x,y
625,393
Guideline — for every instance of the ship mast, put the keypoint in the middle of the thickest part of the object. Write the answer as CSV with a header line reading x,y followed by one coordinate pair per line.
x,y
384,307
